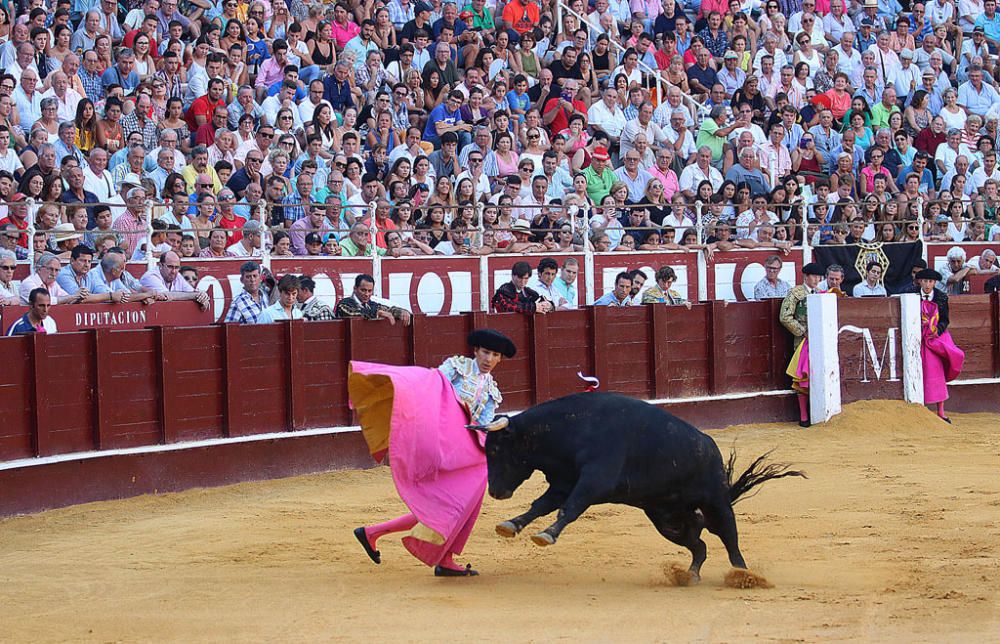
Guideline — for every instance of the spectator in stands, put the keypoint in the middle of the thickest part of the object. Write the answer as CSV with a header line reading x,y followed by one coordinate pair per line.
x,y
954,274
284,308
662,293
545,284
166,279
834,280
249,244
109,283
72,276
872,285
312,307
516,297
8,291
622,293
190,275
771,286
47,268
359,243
37,319
565,283
248,305
361,305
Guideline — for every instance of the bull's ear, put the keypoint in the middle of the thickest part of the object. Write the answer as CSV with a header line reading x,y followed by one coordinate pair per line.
x,y
500,422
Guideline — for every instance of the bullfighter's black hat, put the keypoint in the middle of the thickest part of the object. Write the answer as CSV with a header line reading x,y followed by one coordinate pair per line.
x,y
928,274
494,341
812,268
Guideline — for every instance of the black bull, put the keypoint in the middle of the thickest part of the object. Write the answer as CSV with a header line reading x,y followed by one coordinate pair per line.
x,y
607,448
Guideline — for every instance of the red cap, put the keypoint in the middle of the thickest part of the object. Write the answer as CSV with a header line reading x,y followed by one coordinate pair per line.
x,y
17,196
465,15
601,154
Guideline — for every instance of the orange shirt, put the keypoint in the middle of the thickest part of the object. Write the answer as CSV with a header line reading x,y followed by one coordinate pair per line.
x,y
522,17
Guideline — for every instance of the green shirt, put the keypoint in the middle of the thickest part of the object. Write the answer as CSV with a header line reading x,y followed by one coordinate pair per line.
x,y
599,185
484,21
706,136
349,249
880,115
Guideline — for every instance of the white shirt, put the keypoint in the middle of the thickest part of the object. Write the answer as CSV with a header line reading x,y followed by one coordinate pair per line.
x,y
11,162
67,104
101,185
549,293
271,106
611,121
239,250
693,175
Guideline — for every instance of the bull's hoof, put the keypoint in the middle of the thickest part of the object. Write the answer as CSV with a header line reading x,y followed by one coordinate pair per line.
x,y
543,539
507,529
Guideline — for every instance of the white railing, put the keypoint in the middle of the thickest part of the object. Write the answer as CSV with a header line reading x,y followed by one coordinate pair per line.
x,y
697,109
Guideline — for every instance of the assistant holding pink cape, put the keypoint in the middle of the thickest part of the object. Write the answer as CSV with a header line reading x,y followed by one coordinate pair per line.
x,y
942,359
418,416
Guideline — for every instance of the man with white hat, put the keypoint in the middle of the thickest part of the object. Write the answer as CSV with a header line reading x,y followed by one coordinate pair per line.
x,y
907,79
66,239
129,181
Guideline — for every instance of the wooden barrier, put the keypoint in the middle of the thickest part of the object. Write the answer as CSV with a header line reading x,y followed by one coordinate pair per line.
x,y
111,389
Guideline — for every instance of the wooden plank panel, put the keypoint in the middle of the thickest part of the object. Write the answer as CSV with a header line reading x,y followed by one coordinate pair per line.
x,y
971,326
16,399
256,382
196,380
64,380
858,376
130,408
324,373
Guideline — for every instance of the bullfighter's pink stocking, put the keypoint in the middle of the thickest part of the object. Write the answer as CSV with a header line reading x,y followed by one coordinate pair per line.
x,y
803,407
940,411
399,524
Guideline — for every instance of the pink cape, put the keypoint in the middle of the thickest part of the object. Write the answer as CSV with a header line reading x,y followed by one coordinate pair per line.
x,y
438,465
798,367
941,357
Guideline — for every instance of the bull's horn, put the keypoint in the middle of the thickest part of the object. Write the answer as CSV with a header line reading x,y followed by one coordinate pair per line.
x,y
500,422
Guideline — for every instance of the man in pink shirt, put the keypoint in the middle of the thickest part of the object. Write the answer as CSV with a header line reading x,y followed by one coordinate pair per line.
x,y
166,278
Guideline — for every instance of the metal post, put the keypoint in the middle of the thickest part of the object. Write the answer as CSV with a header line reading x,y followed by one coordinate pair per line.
x,y
698,226
31,234
264,215
920,228
150,260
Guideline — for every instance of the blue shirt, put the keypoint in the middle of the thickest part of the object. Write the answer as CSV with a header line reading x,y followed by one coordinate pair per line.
x,y
96,282
276,312
67,280
439,114
112,76
991,27
977,102
609,299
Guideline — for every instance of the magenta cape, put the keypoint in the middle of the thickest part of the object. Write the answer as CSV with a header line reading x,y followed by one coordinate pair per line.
x,y
798,367
942,359
438,465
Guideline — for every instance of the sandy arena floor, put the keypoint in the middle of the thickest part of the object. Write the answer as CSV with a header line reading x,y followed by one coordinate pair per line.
x,y
894,537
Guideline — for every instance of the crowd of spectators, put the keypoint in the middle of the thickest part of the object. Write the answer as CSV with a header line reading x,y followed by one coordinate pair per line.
x,y
234,128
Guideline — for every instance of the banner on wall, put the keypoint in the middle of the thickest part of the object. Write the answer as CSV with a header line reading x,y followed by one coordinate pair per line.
x,y
896,260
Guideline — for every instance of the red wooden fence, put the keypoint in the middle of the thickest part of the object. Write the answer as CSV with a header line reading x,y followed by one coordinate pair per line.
x,y
107,389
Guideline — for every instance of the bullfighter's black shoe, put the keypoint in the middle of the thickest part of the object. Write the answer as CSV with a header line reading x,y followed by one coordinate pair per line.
x,y
804,424
441,571
373,554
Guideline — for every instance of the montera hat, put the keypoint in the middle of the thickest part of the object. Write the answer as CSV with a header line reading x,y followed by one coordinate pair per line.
x,y
494,341
928,274
812,268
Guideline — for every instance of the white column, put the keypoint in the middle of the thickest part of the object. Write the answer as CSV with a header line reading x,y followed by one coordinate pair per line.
x,y
702,263
910,336
485,293
824,357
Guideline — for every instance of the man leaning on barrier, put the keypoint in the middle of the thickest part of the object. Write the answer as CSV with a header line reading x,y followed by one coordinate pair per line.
x,y
361,305
166,279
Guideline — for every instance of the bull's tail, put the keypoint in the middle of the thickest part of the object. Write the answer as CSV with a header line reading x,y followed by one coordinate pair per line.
x,y
758,472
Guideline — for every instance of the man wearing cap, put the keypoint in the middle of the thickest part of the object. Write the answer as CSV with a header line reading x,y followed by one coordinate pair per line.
x,y
794,317
731,76
66,238
17,215
599,175
907,79
421,20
